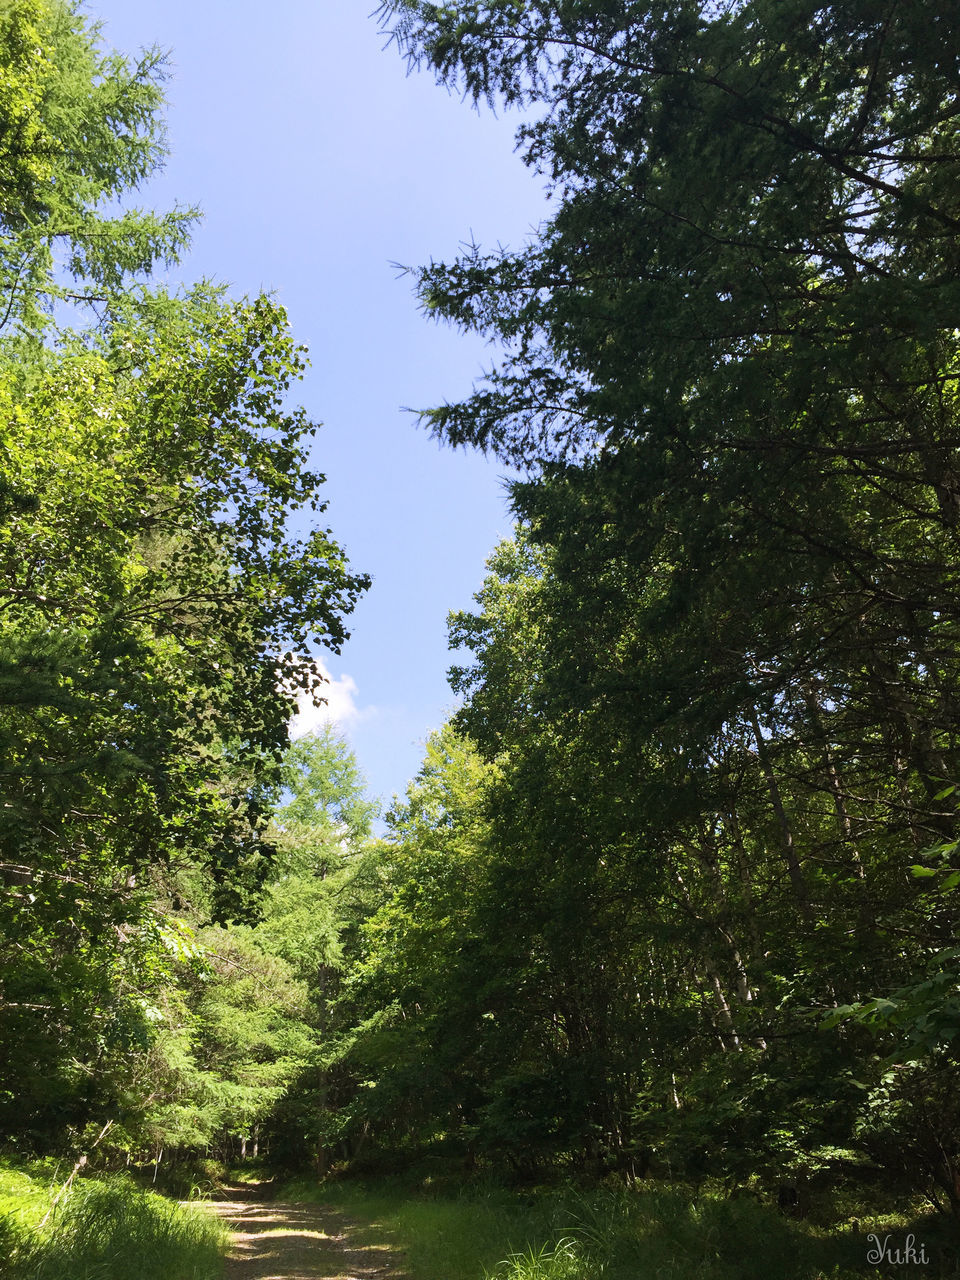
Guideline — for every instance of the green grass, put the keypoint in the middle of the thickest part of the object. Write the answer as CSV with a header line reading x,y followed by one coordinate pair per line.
x,y
443,1237
24,1192
102,1229
660,1233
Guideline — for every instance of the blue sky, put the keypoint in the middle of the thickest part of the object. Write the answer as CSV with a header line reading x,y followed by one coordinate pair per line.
x,y
318,162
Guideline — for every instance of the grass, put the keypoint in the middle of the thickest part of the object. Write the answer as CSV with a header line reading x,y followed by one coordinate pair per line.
x,y
443,1237
102,1229
24,1194
658,1233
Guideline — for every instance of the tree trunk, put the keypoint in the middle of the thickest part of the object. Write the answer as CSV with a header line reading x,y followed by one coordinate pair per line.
x,y
787,850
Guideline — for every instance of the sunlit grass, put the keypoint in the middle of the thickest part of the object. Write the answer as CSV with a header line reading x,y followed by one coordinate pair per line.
x,y
441,1237
103,1230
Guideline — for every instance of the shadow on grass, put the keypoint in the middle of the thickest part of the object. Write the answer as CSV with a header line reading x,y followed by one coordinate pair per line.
x,y
644,1234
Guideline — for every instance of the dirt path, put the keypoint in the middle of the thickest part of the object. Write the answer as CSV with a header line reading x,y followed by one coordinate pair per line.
x,y
277,1241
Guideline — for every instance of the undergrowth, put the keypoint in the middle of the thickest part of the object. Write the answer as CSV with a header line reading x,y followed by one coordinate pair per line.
x,y
102,1229
658,1233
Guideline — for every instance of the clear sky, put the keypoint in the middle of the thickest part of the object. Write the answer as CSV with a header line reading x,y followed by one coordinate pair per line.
x,y
318,162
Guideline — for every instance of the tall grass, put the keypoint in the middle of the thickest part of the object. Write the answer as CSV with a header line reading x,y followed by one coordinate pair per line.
x,y
660,1233
442,1236
564,1260
667,1234
109,1230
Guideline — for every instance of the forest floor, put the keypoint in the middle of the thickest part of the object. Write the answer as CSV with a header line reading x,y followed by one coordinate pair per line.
x,y
273,1240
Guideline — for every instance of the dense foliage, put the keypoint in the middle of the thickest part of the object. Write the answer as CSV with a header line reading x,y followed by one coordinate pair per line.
x,y
713,926
159,613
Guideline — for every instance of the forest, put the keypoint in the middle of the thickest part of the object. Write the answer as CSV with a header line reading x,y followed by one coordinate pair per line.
x,y
654,971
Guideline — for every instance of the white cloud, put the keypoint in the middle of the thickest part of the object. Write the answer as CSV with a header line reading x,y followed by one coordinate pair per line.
x,y
341,707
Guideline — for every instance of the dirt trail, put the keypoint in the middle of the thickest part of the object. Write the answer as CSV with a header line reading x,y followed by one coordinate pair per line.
x,y
277,1241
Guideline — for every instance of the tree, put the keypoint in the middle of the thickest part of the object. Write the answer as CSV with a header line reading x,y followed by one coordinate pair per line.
x,y
737,187
417,1005
156,613
323,882
677,962
730,371
82,127
327,817
159,614
739,319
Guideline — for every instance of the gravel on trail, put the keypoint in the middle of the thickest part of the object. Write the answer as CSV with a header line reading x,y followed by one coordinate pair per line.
x,y
271,1240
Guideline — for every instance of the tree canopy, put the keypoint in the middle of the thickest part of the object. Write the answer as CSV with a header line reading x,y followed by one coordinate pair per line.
x,y
717,670
83,127
166,580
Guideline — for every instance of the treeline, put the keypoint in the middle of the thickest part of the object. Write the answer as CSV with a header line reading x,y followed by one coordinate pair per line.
x,y
682,898
158,617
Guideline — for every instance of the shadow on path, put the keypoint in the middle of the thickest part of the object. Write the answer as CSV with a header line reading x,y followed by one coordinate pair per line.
x,y
277,1241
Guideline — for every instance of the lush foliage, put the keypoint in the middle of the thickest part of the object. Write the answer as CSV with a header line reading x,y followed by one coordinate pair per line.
x,y
165,584
709,922
82,127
